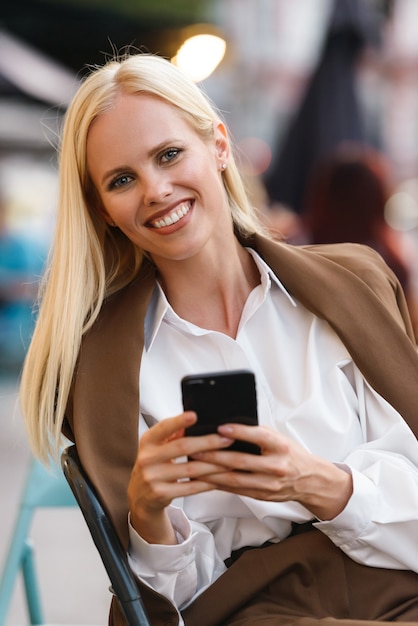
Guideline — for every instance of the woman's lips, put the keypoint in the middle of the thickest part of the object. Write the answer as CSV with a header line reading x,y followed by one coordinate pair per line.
x,y
173,216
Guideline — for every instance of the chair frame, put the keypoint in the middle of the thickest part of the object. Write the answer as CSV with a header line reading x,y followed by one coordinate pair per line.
x,y
43,489
107,542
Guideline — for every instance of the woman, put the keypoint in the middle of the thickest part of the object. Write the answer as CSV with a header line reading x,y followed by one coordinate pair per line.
x,y
160,269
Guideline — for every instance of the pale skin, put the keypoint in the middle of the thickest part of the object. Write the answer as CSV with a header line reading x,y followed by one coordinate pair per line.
x,y
147,163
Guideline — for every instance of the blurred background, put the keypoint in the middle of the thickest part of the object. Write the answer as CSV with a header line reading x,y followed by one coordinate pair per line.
x,y
321,97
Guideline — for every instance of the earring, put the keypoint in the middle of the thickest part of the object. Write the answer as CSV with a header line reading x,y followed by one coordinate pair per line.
x,y
112,224
223,167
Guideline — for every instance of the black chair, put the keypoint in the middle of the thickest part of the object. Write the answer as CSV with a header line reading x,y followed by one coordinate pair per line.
x,y
106,540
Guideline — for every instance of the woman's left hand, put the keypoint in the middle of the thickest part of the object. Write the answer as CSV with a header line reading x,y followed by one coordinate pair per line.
x,y
284,471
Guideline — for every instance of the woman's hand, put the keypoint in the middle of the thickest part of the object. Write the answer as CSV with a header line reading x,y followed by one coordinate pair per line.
x,y
284,471
158,477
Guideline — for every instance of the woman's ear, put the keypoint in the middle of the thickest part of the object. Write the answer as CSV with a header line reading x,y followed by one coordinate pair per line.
x,y
221,143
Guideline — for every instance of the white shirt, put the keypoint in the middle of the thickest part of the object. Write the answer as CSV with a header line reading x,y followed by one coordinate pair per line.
x,y
307,388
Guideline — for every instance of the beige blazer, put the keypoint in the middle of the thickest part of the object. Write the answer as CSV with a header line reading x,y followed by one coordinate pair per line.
x,y
346,284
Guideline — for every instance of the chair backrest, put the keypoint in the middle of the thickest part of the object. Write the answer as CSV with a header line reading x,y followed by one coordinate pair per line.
x,y
43,488
107,542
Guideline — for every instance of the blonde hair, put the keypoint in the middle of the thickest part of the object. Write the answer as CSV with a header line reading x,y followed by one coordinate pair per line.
x,y
89,260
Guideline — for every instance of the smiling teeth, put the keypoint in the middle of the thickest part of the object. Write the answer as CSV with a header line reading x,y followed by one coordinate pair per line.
x,y
173,217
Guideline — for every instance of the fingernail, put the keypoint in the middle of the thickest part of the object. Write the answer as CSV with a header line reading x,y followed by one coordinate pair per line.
x,y
225,429
226,440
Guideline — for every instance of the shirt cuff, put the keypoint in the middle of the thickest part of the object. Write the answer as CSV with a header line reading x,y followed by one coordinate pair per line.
x,y
150,558
357,516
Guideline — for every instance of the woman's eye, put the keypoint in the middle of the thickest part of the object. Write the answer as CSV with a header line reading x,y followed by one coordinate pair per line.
x,y
170,154
121,181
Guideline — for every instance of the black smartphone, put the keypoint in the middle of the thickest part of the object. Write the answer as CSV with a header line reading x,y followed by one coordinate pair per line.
x,y
220,398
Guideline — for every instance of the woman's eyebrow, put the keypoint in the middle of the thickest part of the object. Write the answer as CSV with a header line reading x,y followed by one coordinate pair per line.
x,y
111,173
163,144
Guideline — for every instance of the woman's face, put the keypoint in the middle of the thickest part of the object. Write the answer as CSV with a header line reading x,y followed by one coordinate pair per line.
x,y
157,179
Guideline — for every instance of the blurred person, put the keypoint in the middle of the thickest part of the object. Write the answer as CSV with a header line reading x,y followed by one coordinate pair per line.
x,y
345,202
159,269
18,288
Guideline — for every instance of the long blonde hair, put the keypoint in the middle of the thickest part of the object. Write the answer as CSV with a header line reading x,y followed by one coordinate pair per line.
x,y
88,259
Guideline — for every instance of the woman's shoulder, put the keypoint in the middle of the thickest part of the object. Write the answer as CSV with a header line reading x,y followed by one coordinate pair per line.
x,y
327,277
359,259
355,257
363,263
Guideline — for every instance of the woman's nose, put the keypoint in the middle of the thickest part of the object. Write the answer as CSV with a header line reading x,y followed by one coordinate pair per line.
x,y
157,187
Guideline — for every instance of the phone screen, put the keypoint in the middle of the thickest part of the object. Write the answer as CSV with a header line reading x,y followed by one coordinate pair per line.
x,y
221,397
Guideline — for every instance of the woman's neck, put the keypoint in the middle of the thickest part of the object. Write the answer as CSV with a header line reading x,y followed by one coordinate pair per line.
x,y
212,292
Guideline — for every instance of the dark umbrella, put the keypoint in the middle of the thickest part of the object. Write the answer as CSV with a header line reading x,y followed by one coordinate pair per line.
x,y
330,111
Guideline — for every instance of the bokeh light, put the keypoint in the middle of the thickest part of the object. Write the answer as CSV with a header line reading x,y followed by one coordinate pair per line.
x,y
401,210
200,55
254,156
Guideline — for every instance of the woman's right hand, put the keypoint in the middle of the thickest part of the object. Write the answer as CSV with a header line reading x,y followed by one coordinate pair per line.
x,y
158,478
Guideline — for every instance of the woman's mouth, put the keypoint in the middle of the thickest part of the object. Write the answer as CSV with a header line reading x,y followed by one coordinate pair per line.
x,y
173,217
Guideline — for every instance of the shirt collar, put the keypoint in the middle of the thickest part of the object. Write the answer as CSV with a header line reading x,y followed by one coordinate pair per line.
x,y
160,308
266,273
